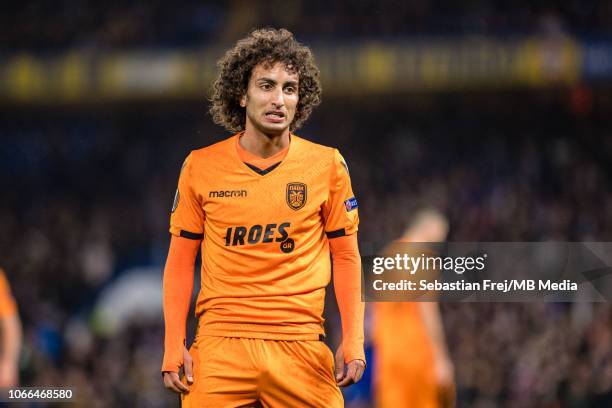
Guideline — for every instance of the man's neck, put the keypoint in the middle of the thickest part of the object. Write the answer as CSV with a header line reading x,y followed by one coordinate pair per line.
x,y
263,145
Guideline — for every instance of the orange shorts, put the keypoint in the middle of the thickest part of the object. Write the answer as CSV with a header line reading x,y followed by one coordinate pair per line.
x,y
244,372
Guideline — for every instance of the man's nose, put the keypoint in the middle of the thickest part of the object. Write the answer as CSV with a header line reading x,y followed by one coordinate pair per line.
x,y
278,98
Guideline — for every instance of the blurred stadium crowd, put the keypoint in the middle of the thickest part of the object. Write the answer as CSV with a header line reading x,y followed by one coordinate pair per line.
x,y
48,27
86,190
86,195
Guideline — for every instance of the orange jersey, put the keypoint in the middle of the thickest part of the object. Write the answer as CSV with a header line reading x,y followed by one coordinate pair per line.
x,y
265,254
7,303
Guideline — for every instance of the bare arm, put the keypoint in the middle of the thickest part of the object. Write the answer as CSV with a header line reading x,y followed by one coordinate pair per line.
x,y
11,347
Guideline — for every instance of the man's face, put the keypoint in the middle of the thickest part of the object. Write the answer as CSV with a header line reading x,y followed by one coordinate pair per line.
x,y
271,98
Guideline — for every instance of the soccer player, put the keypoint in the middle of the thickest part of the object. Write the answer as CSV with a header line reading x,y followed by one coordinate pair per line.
x,y
10,335
266,208
412,366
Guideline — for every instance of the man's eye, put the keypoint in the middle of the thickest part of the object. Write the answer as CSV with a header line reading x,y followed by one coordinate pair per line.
x,y
290,89
266,87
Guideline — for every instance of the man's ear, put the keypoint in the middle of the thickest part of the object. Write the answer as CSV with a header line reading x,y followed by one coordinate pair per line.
x,y
243,101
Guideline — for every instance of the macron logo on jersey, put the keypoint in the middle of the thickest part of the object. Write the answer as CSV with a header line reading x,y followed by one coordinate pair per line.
x,y
350,204
227,193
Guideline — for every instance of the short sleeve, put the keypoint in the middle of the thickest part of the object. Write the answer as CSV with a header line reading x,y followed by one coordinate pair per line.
x,y
187,218
340,210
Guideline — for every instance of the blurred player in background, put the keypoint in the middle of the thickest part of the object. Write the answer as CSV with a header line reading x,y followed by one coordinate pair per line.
x,y
412,365
10,334
267,207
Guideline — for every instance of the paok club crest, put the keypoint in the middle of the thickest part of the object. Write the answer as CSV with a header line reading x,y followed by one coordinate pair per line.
x,y
296,195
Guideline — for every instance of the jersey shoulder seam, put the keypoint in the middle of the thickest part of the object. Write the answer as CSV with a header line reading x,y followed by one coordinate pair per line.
x,y
315,146
204,153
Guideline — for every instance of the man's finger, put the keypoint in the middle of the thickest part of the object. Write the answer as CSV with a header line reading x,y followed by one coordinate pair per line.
x,y
350,375
359,372
346,381
172,382
339,365
168,384
182,387
354,372
188,367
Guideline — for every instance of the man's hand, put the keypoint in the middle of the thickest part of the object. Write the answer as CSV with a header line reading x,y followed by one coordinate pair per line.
x,y
347,374
172,380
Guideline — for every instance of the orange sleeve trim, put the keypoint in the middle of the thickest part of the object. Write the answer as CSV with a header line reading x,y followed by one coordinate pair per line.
x,y
190,235
337,233
347,284
177,291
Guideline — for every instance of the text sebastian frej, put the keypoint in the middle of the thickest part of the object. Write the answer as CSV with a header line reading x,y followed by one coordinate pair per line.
x,y
459,265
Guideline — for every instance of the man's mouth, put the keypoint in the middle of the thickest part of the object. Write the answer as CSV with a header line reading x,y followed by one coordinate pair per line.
x,y
275,116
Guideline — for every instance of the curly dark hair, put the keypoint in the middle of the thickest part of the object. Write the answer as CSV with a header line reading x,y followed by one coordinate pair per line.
x,y
270,46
